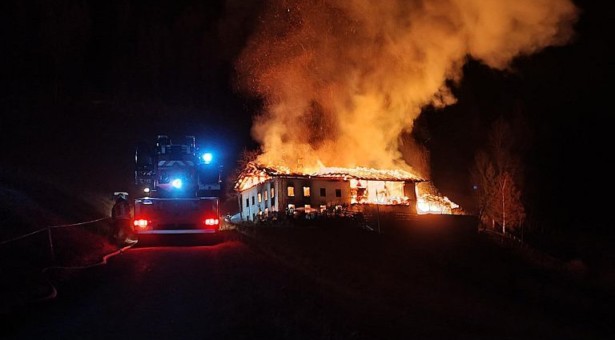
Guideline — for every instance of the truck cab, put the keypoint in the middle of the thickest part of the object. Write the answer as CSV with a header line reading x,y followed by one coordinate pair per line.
x,y
180,188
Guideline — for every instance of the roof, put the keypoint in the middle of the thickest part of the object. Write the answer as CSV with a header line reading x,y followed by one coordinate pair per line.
x,y
368,174
258,173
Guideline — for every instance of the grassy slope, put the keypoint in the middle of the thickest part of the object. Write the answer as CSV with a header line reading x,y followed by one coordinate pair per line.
x,y
450,286
29,202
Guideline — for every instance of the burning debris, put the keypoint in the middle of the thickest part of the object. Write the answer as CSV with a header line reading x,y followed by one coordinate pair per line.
x,y
431,202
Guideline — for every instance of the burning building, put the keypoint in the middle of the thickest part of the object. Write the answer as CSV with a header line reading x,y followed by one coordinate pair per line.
x,y
265,190
342,82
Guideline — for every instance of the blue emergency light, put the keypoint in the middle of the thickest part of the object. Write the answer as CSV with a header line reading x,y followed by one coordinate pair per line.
x,y
207,157
177,183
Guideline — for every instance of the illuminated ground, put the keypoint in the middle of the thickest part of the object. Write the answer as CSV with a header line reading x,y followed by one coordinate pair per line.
x,y
322,283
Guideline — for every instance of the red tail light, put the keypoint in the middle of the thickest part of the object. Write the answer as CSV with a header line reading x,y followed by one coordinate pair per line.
x,y
211,221
141,223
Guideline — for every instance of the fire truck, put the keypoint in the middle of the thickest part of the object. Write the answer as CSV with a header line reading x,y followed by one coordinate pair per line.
x,y
180,188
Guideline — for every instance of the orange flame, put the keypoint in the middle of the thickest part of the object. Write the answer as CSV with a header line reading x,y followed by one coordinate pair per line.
x,y
343,81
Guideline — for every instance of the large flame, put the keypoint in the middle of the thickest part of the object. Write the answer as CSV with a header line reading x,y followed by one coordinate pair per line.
x,y
343,80
430,201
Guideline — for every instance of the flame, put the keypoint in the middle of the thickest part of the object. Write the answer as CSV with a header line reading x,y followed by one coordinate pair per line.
x,y
377,192
430,201
431,204
341,81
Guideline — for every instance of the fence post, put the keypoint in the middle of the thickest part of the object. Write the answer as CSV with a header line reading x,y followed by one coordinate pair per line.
x,y
51,250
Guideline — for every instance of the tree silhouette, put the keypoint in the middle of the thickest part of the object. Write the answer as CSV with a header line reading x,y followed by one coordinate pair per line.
x,y
246,157
497,172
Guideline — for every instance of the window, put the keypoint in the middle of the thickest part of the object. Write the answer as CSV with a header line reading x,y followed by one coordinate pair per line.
x,y
338,192
260,197
252,200
265,192
247,202
290,191
306,191
272,193
323,192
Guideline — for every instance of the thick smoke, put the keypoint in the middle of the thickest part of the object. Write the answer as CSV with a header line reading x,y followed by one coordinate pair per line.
x,y
343,80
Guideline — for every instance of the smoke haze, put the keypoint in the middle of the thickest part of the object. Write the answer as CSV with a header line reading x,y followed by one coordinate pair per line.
x,y
343,80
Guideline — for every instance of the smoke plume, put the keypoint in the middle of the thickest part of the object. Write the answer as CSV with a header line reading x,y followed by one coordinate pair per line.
x,y
341,81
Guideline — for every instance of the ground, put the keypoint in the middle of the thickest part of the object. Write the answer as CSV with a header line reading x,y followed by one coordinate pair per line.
x,y
423,270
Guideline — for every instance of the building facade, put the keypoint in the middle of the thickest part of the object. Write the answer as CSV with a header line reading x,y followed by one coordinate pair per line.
x,y
275,193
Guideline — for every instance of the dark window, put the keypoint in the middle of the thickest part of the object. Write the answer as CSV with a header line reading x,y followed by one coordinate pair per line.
x,y
252,200
338,192
323,192
247,202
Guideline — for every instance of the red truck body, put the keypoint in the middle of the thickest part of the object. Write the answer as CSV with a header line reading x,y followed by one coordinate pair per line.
x,y
176,215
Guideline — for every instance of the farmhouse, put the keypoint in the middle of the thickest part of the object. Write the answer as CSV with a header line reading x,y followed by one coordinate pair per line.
x,y
264,190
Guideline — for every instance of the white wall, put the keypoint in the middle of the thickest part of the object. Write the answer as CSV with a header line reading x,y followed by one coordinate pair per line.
x,y
252,209
281,200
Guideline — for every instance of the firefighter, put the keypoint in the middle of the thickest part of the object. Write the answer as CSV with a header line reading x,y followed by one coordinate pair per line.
x,y
121,215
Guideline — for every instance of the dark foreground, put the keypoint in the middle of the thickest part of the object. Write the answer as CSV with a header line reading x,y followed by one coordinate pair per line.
x,y
320,283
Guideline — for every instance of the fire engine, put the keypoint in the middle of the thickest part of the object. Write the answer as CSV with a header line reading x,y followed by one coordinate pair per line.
x,y
180,188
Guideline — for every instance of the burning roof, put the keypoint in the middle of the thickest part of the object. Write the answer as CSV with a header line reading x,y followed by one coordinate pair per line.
x,y
368,174
254,174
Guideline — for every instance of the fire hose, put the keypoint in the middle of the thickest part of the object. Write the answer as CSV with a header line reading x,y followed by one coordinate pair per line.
x,y
54,292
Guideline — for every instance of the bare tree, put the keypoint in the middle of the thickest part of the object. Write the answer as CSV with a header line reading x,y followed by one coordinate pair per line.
x,y
497,173
246,157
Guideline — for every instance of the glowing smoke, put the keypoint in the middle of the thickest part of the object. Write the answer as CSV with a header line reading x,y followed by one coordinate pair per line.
x,y
343,80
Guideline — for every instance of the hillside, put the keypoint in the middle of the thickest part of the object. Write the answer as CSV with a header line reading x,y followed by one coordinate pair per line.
x,y
29,203
435,268
472,284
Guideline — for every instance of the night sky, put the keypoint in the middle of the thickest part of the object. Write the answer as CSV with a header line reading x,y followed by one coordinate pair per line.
x,y
84,81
